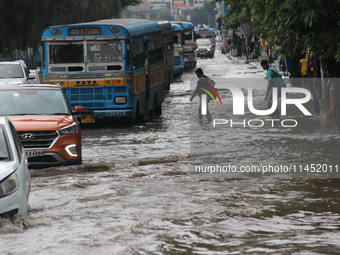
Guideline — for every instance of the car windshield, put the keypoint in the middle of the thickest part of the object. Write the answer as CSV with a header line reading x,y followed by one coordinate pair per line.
x,y
36,102
203,43
10,71
3,145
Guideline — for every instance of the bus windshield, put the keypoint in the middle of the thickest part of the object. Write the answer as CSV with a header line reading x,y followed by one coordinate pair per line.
x,y
107,51
188,35
97,52
176,38
63,53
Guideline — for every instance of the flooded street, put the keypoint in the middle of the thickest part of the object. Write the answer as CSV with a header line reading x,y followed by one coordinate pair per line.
x,y
137,191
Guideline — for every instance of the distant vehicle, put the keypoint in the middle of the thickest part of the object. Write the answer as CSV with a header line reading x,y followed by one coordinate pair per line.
x,y
205,33
205,48
189,44
35,76
13,72
14,175
178,49
45,123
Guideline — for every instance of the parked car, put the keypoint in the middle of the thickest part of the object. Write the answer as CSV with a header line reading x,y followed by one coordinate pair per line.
x,y
46,125
35,76
14,175
205,48
13,72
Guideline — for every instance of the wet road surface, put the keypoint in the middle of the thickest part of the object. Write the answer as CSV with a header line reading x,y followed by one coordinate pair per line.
x,y
137,193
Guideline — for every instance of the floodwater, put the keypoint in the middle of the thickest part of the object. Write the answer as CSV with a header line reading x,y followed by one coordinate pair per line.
x,y
137,191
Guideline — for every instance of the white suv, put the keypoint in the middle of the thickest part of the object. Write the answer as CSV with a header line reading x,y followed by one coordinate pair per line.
x,y
13,72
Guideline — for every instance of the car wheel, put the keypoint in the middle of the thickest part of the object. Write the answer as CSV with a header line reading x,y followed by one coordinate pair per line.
x,y
80,159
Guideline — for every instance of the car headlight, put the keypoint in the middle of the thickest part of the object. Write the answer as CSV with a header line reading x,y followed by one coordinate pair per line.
x,y
120,100
9,185
71,129
196,49
208,49
72,150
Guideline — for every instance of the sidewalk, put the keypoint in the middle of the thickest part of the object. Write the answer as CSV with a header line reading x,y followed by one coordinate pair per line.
x,y
257,61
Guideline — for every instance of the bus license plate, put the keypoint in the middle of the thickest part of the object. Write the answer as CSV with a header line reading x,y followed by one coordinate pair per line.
x,y
88,118
35,153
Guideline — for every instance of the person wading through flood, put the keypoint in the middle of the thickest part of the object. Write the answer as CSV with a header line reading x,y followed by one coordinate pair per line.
x,y
201,84
272,75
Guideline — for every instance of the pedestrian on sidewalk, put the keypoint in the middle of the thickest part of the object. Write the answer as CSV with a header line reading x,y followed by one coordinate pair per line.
x,y
272,79
201,83
266,49
303,68
251,49
239,50
315,82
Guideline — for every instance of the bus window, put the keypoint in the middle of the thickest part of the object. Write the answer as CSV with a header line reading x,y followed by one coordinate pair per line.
x,y
139,61
101,52
67,53
187,36
175,38
128,53
170,46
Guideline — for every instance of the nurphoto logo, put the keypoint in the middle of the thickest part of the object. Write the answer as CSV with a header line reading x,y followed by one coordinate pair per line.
x,y
204,97
239,101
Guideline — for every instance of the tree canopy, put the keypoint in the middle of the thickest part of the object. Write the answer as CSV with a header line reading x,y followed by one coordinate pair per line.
x,y
294,24
22,22
164,15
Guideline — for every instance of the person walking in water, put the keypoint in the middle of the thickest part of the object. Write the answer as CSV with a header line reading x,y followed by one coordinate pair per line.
x,y
202,81
272,75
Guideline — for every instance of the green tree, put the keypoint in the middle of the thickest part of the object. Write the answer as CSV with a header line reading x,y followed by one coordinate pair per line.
x,y
298,25
164,15
22,22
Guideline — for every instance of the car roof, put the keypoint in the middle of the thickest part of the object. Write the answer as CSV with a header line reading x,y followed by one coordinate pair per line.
x,y
12,62
203,39
29,86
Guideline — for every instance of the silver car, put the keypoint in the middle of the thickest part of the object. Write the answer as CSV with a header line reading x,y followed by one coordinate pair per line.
x,y
35,76
14,175
13,72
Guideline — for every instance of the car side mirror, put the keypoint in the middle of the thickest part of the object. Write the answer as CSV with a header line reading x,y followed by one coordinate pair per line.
x,y
79,110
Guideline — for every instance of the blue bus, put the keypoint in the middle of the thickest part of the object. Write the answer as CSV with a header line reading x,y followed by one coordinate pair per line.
x,y
116,68
189,44
178,49
168,50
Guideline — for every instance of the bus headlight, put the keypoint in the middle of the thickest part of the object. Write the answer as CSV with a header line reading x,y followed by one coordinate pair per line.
x,y
9,185
72,129
120,100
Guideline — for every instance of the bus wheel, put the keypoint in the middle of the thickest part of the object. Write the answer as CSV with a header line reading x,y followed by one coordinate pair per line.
x,y
137,119
158,110
153,111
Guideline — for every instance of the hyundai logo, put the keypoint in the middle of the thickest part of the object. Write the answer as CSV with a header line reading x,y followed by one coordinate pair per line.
x,y
27,136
